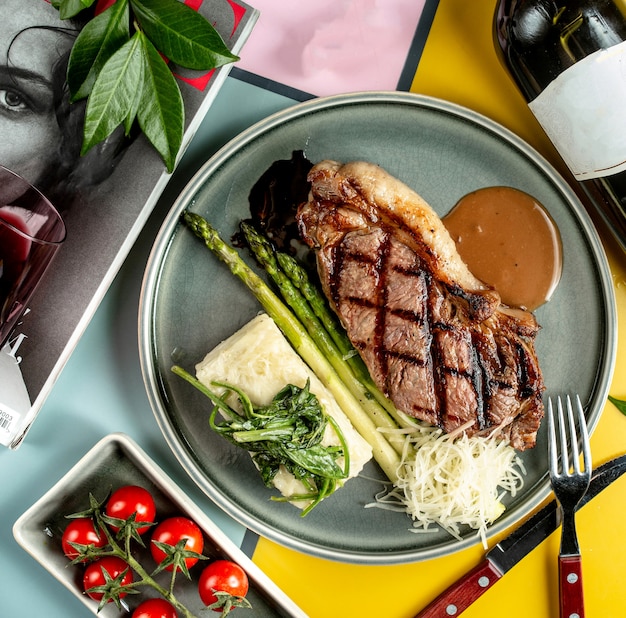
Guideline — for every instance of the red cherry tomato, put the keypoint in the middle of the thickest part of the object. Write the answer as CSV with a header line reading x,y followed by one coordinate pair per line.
x,y
93,575
155,608
173,530
222,576
132,499
83,532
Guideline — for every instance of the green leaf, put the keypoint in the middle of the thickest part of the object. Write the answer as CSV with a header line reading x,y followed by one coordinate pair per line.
x,y
619,404
70,8
97,42
161,112
114,93
317,460
133,110
176,557
181,34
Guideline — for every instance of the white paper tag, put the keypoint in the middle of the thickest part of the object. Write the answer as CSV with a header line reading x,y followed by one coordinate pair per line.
x,y
14,400
9,423
583,112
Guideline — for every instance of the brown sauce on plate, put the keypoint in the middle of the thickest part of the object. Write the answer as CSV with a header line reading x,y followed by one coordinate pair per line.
x,y
509,241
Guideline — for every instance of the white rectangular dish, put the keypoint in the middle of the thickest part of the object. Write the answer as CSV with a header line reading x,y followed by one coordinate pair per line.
x,y
115,461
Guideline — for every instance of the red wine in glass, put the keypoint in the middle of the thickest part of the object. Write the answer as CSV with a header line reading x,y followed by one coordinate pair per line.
x,y
31,232
15,245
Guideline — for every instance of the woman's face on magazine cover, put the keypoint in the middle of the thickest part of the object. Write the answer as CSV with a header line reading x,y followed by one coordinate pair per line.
x,y
29,132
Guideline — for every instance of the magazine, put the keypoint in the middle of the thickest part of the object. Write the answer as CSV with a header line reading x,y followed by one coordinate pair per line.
x,y
104,198
327,47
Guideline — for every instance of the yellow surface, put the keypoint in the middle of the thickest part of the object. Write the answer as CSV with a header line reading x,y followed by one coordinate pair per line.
x,y
460,65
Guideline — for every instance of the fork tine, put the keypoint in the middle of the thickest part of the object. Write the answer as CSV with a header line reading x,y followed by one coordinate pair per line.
x,y
565,459
584,433
560,436
552,444
573,460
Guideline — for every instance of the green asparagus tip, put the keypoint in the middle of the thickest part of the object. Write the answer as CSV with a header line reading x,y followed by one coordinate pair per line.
x,y
192,222
254,238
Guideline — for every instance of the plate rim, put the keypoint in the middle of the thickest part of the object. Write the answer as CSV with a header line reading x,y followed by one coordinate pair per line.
x,y
241,140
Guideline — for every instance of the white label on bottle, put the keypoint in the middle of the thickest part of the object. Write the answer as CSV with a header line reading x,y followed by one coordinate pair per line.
x,y
583,112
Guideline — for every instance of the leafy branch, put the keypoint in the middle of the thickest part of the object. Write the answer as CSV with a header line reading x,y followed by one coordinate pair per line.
x,y
118,63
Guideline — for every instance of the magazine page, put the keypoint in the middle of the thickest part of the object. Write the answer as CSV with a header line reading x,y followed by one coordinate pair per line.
x,y
332,47
104,197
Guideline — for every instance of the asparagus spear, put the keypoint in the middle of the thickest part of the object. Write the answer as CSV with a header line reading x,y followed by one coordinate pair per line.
x,y
300,278
264,253
384,454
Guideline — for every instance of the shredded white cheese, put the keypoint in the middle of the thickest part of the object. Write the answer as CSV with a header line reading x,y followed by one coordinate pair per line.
x,y
453,481
260,361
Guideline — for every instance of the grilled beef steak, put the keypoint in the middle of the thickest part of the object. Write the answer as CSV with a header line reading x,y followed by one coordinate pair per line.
x,y
436,340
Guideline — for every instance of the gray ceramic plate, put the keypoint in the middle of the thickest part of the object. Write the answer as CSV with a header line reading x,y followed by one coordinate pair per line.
x,y
190,302
113,462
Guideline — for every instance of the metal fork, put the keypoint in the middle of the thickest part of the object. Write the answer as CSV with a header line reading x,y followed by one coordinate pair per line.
x,y
569,483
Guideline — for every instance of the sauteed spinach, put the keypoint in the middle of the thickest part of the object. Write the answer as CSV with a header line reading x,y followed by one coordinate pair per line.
x,y
287,432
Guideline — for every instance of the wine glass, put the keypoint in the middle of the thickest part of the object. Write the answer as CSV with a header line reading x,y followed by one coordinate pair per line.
x,y
31,232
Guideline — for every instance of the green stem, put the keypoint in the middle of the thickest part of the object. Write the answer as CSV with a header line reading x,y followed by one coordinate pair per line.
x,y
217,401
145,578
254,435
344,445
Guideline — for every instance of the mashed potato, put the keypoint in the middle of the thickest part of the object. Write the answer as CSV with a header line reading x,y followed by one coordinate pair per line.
x,y
259,360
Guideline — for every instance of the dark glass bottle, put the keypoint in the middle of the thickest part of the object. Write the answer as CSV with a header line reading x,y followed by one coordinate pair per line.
x,y
568,58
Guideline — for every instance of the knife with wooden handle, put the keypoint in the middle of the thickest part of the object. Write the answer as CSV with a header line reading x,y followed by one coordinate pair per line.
x,y
508,552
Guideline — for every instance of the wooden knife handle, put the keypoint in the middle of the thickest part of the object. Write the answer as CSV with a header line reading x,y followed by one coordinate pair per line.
x,y
571,586
458,597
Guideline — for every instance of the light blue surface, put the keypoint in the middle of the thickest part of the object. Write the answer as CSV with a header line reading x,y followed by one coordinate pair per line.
x,y
101,388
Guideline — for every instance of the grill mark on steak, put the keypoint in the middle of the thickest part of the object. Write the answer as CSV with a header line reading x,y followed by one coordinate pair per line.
x,y
380,325
436,341
381,266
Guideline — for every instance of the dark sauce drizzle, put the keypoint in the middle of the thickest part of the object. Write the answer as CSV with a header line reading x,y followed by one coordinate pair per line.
x,y
274,200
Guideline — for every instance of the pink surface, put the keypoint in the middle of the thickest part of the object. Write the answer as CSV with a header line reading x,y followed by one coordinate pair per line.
x,y
328,47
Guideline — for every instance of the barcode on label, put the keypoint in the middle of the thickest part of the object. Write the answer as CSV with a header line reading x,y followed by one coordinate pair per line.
x,y
7,421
